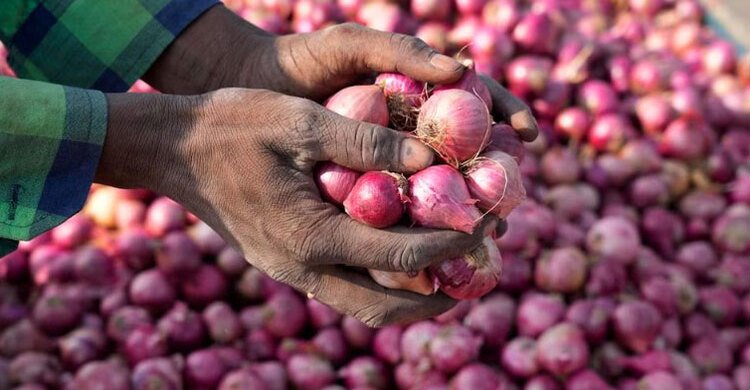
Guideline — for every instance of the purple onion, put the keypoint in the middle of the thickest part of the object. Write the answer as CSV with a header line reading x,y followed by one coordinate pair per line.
x,y
231,262
285,315
711,356
416,339
159,373
108,374
562,349
614,238
183,328
144,342
124,320
607,277
492,318
152,290
222,322
365,372
562,270
592,316
321,315
519,357
386,345
331,344
357,334
310,372
637,324
23,336
35,367
204,285
586,380
475,376
242,379
260,345
452,347
81,346
272,373
538,312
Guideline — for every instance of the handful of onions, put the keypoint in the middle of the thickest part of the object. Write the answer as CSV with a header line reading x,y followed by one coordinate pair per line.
x,y
478,174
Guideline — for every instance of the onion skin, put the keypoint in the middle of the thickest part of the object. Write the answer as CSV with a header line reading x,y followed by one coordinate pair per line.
x,y
472,275
420,284
495,180
377,199
440,199
404,96
505,139
335,182
364,103
562,349
455,123
471,83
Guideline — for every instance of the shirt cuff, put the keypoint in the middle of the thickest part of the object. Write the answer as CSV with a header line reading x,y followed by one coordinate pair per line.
x,y
102,45
51,141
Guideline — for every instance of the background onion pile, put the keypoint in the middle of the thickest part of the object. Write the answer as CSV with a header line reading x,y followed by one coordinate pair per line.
x,y
627,266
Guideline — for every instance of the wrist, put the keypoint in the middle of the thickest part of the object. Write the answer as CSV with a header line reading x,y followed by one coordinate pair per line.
x,y
144,139
217,50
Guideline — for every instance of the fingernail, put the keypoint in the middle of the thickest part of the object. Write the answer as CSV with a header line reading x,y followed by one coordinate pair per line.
x,y
445,63
415,155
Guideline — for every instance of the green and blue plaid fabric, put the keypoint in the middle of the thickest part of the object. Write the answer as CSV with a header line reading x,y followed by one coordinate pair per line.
x,y
51,135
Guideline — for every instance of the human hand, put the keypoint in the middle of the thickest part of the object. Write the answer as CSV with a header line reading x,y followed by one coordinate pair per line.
x,y
313,65
242,161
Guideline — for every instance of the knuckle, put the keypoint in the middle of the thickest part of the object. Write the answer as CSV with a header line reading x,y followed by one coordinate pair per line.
x,y
346,30
412,45
407,258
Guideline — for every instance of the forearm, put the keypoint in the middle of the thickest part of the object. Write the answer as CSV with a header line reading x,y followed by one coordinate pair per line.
x,y
211,54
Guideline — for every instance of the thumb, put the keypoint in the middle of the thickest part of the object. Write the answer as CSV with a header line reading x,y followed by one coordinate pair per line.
x,y
365,146
372,50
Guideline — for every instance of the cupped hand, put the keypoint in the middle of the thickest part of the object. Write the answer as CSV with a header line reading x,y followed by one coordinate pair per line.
x,y
242,160
311,65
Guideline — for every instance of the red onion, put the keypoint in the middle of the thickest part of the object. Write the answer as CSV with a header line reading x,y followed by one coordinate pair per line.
x,y
440,199
470,7
610,132
404,96
162,373
222,322
586,380
471,83
501,14
637,324
386,17
82,346
494,179
536,33
464,29
592,316
654,113
598,97
732,273
719,57
560,165
684,139
321,315
204,286
476,376
562,270
455,123
109,374
492,318
431,9
453,347
14,266
572,122
56,314
538,312
73,232
310,372
48,263
741,377
614,238
365,103
357,334
562,349
528,74
720,303
163,216
35,367
124,320
182,327
365,372
178,254
516,273
284,315
387,344
542,382
472,275
152,290
415,340
242,379
493,46
434,34
711,355
659,380
730,231
519,357
642,155
135,248
505,139
410,376
144,342
377,199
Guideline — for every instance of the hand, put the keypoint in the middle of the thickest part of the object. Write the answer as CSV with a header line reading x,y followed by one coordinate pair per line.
x,y
313,65
242,161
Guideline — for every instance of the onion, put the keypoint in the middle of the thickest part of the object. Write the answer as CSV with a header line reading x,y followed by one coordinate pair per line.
x,y
562,270
592,316
598,97
144,342
492,319
438,10
637,324
614,238
505,139
711,355
434,34
470,7
501,14
538,312
562,349
472,275
164,215
152,290
415,340
366,372
404,96
440,199
572,122
453,347
519,357
464,29
610,132
494,179
560,165
528,74
387,344
586,379
469,82
310,372
536,33
420,283
684,139
654,113
719,57
364,103
455,123
377,199
476,376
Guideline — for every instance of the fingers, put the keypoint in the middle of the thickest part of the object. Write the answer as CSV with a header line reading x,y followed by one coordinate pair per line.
x,y
371,50
357,295
512,110
366,147
335,238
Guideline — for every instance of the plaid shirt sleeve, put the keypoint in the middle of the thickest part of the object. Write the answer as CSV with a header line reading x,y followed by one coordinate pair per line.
x,y
51,135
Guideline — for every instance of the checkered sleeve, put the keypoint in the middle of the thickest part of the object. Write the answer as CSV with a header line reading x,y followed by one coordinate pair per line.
x,y
50,142
99,44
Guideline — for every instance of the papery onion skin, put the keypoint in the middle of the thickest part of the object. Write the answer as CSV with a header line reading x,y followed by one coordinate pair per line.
x,y
472,275
419,283
440,199
455,123
335,182
505,139
404,96
495,180
365,103
470,82
377,199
